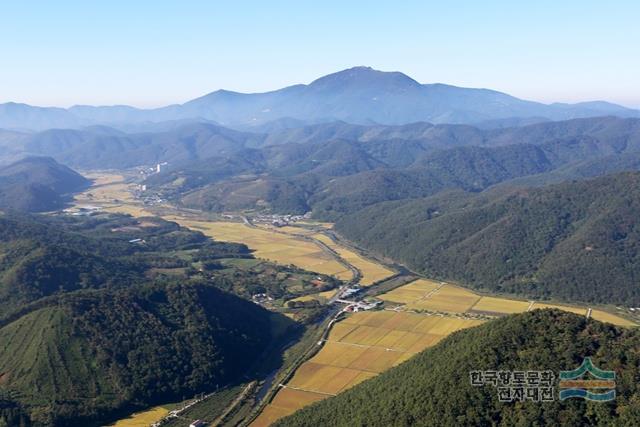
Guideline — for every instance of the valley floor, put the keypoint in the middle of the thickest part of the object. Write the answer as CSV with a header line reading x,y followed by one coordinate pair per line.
x,y
358,345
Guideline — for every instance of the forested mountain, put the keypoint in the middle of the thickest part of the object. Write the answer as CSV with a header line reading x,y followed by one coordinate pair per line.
x,y
434,388
99,334
575,241
85,355
367,165
356,95
37,184
107,148
48,256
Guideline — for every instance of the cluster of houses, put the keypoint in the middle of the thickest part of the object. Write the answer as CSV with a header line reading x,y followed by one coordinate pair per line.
x,y
177,412
280,220
145,171
82,210
261,298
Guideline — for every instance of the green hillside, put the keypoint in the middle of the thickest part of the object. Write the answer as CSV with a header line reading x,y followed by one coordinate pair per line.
x,y
576,241
106,314
337,168
91,354
434,389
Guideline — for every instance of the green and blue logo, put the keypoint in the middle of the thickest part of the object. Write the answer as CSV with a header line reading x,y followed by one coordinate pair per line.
x,y
600,389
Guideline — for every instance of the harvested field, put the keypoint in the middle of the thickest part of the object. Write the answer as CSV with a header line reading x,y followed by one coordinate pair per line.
x,y
500,305
143,419
281,248
603,316
289,398
362,346
577,310
411,292
371,272
449,298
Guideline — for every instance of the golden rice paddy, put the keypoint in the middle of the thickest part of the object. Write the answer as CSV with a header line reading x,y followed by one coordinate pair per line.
x,y
278,247
112,194
500,305
431,296
143,419
603,316
371,272
414,291
448,298
320,296
358,348
577,310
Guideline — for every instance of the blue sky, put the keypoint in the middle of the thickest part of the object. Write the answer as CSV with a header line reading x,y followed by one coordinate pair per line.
x,y
152,53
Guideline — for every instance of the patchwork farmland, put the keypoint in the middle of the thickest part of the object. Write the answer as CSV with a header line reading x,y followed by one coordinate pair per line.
x,y
359,347
278,247
371,272
111,193
365,344
429,296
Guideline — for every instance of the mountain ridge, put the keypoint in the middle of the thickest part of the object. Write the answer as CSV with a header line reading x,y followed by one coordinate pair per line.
x,y
358,95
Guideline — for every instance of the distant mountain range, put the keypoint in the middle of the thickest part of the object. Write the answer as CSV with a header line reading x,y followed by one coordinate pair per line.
x,y
357,95
36,184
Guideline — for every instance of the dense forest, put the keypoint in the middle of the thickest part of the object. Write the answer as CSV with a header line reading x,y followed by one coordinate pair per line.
x,y
434,388
335,169
101,329
86,355
576,241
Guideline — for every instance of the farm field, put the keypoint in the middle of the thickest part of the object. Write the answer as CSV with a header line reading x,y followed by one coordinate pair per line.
x,y
358,348
500,305
281,248
112,194
447,298
371,272
431,296
365,344
414,291
320,296
142,419
603,316
577,310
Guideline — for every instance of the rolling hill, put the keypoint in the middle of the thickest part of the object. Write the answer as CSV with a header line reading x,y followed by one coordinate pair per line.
x,y
338,169
575,241
87,332
87,356
37,184
434,387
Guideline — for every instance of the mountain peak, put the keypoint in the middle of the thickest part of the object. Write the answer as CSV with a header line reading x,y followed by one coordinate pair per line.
x,y
364,76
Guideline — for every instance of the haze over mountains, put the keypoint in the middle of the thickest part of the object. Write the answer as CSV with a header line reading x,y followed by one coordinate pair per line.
x,y
37,184
112,313
358,95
